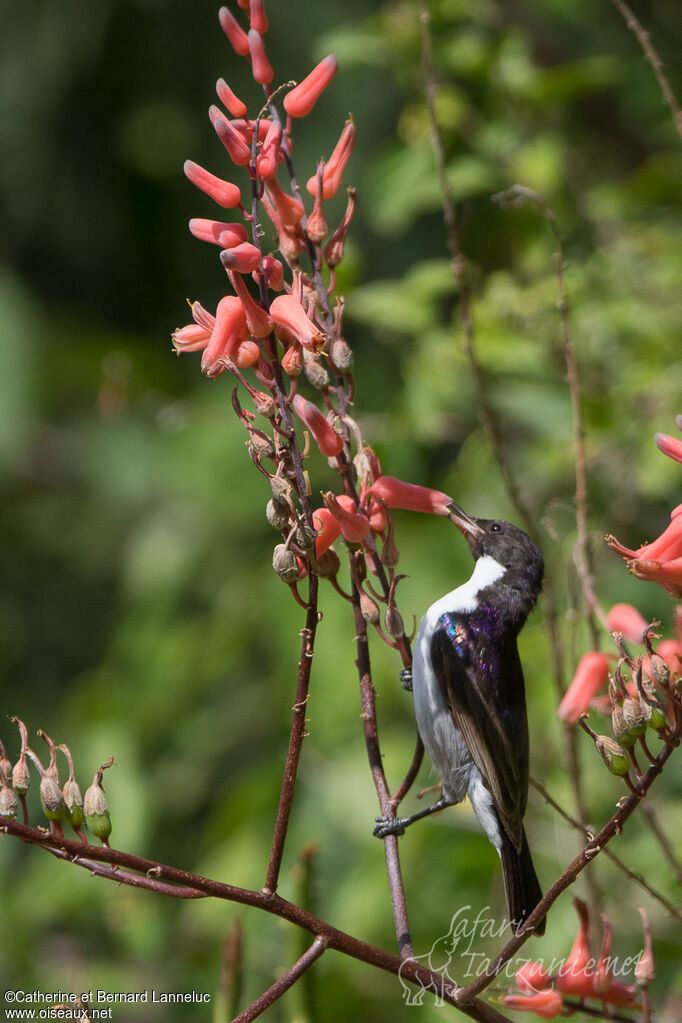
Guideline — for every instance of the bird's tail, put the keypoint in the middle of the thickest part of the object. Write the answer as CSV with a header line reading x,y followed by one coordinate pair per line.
x,y
521,885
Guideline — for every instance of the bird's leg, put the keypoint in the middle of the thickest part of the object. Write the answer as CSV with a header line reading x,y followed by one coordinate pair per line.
x,y
406,679
396,825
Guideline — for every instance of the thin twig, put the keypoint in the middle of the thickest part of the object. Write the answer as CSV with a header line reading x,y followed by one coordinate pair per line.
x,y
638,878
654,60
284,982
663,840
228,992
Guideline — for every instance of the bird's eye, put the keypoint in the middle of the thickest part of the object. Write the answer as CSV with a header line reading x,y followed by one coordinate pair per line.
x,y
495,527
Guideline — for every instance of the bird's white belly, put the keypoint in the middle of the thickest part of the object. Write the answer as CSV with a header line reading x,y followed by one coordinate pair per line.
x,y
443,742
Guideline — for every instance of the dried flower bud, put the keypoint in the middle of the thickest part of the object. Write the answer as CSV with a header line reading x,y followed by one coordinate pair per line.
x,y
21,778
73,799
5,767
285,563
369,608
280,487
613,755
292,360
8,802
97,815
261,443
51,798
394,622
341,354
277,513
328,564
635,716
659,670
620,729
316,373
305,535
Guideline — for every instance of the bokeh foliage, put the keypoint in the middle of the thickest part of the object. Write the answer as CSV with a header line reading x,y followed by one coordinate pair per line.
x,y
140,616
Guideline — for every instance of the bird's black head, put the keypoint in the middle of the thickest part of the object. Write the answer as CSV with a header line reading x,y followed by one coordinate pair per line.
x,y
509,546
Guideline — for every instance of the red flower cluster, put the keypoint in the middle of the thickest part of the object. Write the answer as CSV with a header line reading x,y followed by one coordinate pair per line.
x,y
245,330
661,560
580,976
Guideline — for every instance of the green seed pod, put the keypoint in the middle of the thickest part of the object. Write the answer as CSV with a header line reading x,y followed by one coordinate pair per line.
x,y
613,755
51,798
96,812
8,803
285,564
620,729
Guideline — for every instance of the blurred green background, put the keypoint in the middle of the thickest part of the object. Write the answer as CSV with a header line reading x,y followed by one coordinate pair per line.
x,y
139,615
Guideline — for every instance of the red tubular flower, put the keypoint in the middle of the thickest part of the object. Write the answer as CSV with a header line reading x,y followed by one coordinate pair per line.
x,y
301,100
261,67
258,321
270,154
258,19
287,312
231,138
328,530
223,192
667,573
671,651
243,258
354,525
590,675
545,1004
626,619
217,232
328,440
336,164
532,977
230,101
234,32
410,496
230,328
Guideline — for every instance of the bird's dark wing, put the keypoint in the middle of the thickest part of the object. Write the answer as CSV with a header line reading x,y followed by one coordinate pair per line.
x,y
480,675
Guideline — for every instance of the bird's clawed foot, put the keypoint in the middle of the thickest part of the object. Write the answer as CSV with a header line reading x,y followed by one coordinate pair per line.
x,y
386,826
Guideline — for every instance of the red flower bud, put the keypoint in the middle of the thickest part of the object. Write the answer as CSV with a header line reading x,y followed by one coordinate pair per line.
x,y
328,440
217,232
626,619
262,69
233,140
398,494
258,19
590,675
247,354
301,100
244,258
336,164
269,156
232,29
670,446
230,101
223,192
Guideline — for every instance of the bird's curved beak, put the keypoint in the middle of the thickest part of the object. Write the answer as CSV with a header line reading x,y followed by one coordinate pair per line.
x,y
467,526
